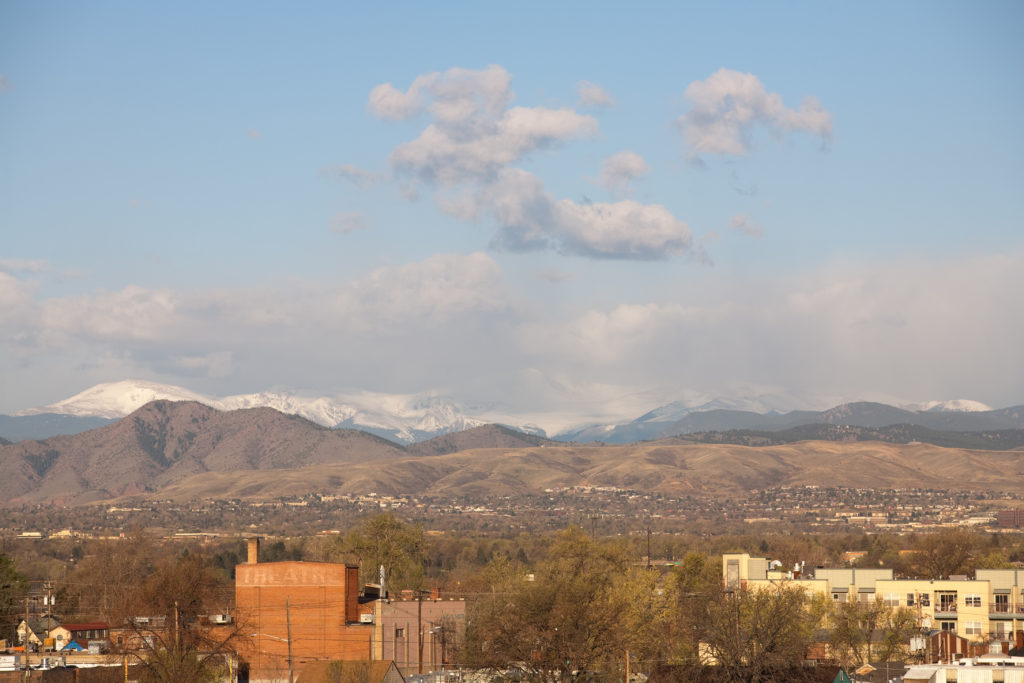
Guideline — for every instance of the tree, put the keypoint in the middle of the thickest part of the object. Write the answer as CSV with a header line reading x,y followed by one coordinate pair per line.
x,y
754,634
181,590
13,586
562,623
386,541
945,553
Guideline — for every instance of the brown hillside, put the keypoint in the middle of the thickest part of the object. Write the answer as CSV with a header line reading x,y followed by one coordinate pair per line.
x,y
164,442
676,469
484,436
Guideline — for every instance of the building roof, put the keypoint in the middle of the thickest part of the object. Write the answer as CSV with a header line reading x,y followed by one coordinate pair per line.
x,y
88,626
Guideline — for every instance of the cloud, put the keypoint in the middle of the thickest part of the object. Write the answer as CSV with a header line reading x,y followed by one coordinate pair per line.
x,y
23,265
746,225
359,177
431,291
344,223
529,219
217,364
619,170
553,275
5,83
593,95
473,132
729,104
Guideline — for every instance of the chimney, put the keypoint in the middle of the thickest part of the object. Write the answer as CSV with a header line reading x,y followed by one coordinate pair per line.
x,y
254,550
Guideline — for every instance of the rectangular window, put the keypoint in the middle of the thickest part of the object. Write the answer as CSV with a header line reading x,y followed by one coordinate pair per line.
x,y
910,599
839,597
399,633
925,599
972,628
949,626
972,600
892,600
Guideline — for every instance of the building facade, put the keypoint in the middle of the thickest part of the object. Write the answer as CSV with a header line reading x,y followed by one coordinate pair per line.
x,y
988,607
311,608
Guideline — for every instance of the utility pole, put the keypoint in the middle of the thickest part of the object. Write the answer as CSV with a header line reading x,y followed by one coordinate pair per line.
x,y
419,625
288,623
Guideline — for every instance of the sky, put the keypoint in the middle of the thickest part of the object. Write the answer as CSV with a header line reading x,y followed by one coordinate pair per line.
x,y
581,210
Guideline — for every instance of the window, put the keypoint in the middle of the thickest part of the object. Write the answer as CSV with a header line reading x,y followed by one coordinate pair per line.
x,y
399,633
972,600
910,599
892,600
972,628
925,599
839,597
999,630
948,626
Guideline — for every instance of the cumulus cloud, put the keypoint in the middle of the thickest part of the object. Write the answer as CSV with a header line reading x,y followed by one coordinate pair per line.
x,y
473,132
727,106
344,223
529,218
593,95
745,224
619,170
359,177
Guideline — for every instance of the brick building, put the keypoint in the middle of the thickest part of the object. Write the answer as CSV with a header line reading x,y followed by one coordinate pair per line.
x,y
312,606
435,624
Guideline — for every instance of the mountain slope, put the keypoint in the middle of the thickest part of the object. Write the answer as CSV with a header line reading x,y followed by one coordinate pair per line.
x,y
671,469
164,441
486,436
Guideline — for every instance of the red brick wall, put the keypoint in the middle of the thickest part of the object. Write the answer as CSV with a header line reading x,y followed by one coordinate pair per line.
x,y
320,598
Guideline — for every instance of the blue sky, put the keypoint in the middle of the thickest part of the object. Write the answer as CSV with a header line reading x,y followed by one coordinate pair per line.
x,y
577,209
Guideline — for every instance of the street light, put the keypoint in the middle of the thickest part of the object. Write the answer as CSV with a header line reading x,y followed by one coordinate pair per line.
x,y
291,676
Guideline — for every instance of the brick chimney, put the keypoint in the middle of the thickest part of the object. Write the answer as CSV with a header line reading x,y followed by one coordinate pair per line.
x,y
254,550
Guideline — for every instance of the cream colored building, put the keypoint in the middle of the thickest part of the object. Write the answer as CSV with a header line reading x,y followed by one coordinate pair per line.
x,y
987,607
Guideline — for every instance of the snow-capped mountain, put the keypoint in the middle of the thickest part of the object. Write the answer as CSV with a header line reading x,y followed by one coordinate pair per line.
x,y
398,417
957,405
114,400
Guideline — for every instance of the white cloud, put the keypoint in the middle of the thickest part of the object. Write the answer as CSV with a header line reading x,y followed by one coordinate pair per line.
x,y
473,133
359,177
529,219
746,225
729,104
344,223
428,292
593,95
619,170
23,265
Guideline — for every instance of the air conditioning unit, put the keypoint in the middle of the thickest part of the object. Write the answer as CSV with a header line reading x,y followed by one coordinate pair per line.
x,y
366,618
220,618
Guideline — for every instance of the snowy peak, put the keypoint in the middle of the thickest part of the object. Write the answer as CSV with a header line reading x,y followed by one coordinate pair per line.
x,y
116,399
403,418
957,405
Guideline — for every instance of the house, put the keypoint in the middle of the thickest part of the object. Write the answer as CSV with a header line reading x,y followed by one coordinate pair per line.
x,y
84,634
36,630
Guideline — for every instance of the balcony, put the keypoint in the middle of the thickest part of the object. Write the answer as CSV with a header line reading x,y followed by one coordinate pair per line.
x,y
945,610
1006,611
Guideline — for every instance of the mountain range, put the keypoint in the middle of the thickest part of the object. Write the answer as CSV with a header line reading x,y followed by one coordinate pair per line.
x,y
186,450
407,419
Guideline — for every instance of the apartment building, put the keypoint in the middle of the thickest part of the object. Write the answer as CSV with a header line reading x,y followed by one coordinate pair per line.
x,y
989,606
